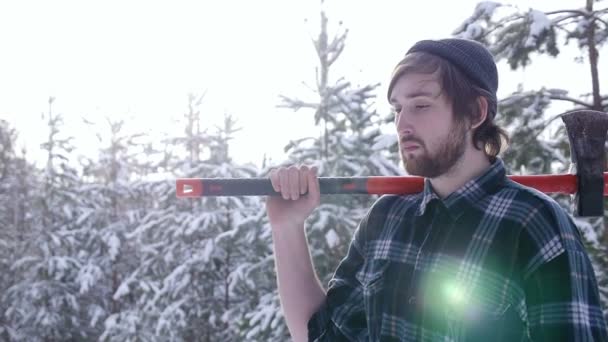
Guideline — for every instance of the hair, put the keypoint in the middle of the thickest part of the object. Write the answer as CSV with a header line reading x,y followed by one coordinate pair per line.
x,y
462,94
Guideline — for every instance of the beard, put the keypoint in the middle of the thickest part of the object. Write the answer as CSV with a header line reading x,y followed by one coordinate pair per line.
x,y
449,151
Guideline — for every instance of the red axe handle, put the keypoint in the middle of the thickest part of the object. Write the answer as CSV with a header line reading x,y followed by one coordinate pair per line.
x,y
374,185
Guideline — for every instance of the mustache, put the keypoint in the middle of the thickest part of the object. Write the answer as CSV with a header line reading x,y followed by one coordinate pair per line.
x,y
410,139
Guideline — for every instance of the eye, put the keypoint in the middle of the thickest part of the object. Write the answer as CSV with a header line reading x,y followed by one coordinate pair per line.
x,y
422,106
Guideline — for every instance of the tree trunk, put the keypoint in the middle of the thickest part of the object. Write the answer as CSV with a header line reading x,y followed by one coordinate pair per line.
x,y
593,58
595,84
323,77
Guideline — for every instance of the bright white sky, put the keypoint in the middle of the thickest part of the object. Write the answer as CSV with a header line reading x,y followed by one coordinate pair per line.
x,y
138,60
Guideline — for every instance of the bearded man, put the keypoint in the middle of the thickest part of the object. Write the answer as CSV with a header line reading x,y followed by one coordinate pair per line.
x,y
474,257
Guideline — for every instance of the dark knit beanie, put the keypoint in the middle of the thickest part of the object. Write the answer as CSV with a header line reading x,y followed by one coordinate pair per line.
x,y
469,56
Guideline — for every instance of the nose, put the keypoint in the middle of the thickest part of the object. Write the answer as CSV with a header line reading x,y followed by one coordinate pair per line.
x,y
404,127
405,131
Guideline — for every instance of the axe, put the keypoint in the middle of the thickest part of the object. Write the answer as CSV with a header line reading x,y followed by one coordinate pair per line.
x,y
586,132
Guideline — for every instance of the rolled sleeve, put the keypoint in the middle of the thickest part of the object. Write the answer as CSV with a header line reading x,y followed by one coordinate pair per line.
x,y
341,317
319,323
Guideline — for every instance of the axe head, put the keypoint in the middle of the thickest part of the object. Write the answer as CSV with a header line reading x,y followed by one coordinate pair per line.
x,y
587,134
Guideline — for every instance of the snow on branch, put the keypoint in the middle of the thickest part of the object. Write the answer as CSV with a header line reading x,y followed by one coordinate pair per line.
x,y
539,23
514,34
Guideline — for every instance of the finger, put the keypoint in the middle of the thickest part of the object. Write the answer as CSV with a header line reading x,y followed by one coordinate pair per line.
x,y
274,180
284,181
304,179
294,183
313,184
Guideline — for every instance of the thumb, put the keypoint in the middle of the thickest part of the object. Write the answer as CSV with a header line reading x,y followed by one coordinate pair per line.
x,y
313,183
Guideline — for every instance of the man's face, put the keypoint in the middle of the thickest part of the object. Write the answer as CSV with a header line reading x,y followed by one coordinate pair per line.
x,y
430,142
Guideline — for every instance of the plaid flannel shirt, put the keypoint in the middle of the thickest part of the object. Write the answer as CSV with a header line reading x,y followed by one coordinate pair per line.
x,y
493,261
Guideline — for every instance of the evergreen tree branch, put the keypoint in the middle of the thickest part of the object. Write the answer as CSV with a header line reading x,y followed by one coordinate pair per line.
x,y
570,99
502,23
576,12
558,116
601,20
559,26
561,19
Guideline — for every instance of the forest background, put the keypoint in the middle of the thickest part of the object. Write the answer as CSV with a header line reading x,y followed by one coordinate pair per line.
x,y
94,245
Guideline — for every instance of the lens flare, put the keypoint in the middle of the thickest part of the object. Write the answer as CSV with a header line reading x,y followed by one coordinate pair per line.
x,y
454,293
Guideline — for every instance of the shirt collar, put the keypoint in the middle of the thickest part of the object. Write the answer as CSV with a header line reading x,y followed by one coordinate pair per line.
x,y
468,194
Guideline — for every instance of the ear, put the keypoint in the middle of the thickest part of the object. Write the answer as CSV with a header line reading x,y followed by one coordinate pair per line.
x,y
482,104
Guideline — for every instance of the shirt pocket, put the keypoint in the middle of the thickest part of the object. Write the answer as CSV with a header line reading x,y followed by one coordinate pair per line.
x,y
482,316
371,274
481,305
486,324
372,277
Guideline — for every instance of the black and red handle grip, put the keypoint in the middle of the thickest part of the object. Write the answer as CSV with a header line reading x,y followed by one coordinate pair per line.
x,y
199,187
400,185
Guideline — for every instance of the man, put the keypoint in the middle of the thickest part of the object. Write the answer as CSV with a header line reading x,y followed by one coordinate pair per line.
x,y
474,257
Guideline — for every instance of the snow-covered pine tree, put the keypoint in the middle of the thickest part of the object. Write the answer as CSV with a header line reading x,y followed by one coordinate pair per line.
x,y
539,141
350,143
233,244
154,224
108,211
42,303
17,177
7,215
194,254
